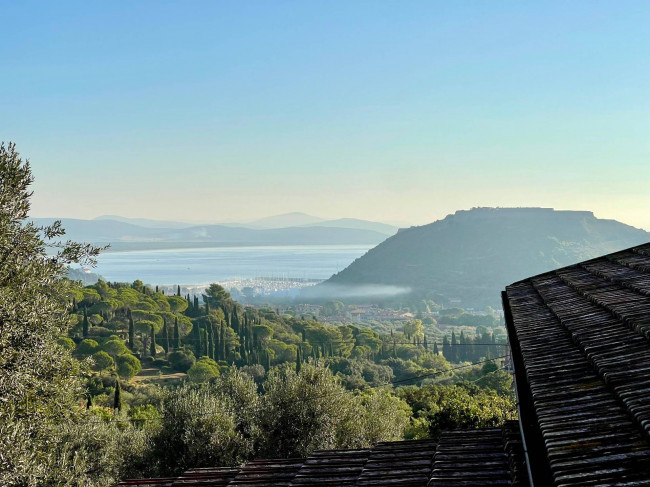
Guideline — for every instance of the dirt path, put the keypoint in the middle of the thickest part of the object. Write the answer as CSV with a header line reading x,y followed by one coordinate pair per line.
x,y
155,376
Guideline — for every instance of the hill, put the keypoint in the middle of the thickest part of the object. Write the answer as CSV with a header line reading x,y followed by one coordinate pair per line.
x,y
471,255
384,228
147,222
127,236
294,219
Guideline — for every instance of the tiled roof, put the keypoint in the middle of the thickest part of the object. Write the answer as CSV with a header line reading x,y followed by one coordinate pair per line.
x,y
581,349
263,473
471,458
400,464
332,467
213,477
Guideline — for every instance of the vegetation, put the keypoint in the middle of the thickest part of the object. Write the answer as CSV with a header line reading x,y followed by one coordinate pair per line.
x,y
264,384
495,246
39,379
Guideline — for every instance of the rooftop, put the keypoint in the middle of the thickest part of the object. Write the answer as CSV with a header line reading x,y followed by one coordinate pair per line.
x,y
580,339
489,457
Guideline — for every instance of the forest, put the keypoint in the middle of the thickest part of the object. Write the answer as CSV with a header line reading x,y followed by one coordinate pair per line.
x,y
243,382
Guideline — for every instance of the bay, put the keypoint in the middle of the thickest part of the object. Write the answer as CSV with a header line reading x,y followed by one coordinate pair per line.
x,y
202,266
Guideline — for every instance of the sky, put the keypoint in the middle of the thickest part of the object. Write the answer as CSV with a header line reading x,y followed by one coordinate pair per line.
x,y
383,110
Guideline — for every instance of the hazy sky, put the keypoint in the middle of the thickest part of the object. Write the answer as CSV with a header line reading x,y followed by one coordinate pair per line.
x,y
385,110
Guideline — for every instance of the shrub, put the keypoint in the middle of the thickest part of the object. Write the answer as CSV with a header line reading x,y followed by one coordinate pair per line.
x,y
66,343
99,331
103,361
182,359
115,347
257,372
203,370
128,366
95,319
87,347
140,414
160,363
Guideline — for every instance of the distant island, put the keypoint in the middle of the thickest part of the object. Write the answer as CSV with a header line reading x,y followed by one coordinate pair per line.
x,y
467,258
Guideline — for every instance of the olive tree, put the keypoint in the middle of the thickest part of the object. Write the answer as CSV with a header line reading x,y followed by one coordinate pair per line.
x,y
197,429
305,411
39,382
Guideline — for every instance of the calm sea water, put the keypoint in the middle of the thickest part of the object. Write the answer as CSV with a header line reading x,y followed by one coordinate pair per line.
x,y
203,266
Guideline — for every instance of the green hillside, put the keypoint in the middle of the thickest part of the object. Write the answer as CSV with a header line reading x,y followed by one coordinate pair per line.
x,y
471,255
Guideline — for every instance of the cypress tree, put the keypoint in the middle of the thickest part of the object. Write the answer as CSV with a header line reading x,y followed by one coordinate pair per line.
x,y
242,352
222,342
462,355
198,339
203,350
210,343
156,288
85,323
178,291
89,403
235,320
152,348
298,361
217,344
117,400
177,337
165,337
454,348
435,348
426,345
446,349
131,333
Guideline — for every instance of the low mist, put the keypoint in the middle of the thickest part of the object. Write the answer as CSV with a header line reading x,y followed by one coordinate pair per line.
x,y
339,291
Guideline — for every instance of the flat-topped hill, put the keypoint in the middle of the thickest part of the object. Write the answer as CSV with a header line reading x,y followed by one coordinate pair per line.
x,y
473,254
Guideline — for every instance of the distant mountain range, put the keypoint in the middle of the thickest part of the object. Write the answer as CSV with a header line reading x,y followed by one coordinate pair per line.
x,y
294,219
296,229
469,257
145,222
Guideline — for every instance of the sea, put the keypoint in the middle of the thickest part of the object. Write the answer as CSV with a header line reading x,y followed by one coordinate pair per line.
x,y
201,266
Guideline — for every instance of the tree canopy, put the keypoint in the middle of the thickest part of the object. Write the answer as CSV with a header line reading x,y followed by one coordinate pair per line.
x,y
38,378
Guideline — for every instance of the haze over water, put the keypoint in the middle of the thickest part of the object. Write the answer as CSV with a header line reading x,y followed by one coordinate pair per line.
x,y
206,265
